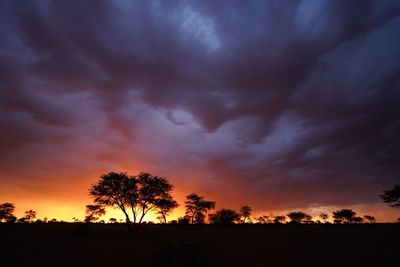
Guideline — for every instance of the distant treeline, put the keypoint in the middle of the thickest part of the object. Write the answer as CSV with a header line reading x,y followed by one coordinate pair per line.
x,y
137,195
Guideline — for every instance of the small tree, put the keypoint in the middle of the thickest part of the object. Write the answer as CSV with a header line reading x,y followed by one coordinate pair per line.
x,y
369,218
30,215
112,220
279,219
164,207
392,196
324,217
94,212
245,213
298,217
358,219
263,219
6,212
197,208
224,216
344,215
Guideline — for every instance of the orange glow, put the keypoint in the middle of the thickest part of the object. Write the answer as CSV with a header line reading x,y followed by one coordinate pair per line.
x,y
65,201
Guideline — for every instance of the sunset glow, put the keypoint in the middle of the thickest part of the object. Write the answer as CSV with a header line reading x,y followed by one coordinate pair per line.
x,y
282,107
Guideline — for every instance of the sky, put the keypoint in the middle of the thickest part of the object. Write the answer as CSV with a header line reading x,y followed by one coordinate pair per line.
x,y
280,105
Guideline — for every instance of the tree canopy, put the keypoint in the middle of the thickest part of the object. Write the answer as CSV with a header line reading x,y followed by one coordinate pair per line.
x,y
298,216
141,193
245,213
93,212
224,216
6,212
392,196
344,215
197,208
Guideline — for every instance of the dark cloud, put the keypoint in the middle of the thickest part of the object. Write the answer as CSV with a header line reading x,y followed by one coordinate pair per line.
x,y
291,103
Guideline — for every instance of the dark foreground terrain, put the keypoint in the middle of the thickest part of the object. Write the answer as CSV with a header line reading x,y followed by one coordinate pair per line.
x,y
204,245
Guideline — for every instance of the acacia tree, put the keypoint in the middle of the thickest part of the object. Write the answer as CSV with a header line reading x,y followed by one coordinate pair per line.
x,y
298,217
6,212
197,207
224,216
30,215
392,196
369,218
115,190
245,213
165,206
279,219
94,212
152,190
263,219
324,217
344,215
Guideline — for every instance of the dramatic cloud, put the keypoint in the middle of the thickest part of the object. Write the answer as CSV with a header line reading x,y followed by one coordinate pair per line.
x,y
281,105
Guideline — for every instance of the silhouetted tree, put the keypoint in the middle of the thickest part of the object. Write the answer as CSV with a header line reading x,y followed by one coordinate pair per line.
x,y
245,213
183,220
197,207
93,212
279,219
344,215
152,191
115,190
263,219
369,218
224,216
6,212
357,219
392,196
22,220
164,207
324,217
30,215
113,220
298,217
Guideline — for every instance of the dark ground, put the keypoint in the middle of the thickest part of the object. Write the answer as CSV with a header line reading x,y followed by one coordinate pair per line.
x,y
204,245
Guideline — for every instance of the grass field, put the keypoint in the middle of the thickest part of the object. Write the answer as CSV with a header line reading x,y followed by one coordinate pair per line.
x,y
202,245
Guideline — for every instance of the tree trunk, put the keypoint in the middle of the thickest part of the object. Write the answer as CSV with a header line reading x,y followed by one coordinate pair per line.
x,y
134,215
128,221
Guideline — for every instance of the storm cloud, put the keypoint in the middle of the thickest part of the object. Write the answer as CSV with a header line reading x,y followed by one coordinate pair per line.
x,y
281,104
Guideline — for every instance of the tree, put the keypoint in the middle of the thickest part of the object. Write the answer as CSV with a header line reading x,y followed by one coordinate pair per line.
x,y
164,207
279,219
357,219
344,215
392,196
324,217
115,190
30,215
245,212
197,207
93,212
152,191
113,220
6,212
263,219
369,218
298,217
224,216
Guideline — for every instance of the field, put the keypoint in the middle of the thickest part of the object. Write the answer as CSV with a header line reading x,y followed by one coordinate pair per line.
x,y
202,245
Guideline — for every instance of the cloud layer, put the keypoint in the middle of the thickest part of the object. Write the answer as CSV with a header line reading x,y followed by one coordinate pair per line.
x,y
279,104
